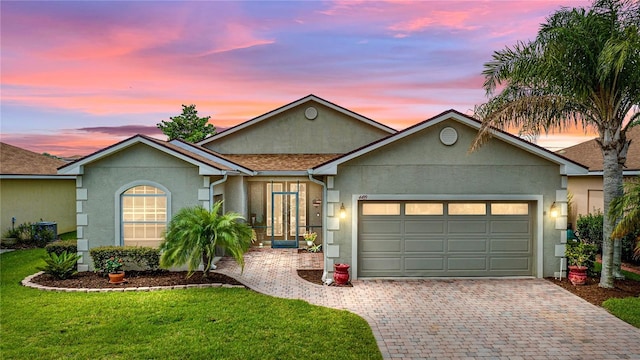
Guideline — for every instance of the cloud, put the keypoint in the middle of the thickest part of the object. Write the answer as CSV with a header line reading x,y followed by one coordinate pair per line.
x,y
126,130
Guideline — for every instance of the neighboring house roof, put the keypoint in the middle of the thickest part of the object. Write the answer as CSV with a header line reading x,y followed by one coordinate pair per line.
x,y
569,166
207,166
284,108
590,154
17,162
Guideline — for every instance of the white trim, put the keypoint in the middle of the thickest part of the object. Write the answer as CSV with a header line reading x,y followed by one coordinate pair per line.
x,y
36,177
539,221
290,106
77,168
567,166
118,205
212,157
601,173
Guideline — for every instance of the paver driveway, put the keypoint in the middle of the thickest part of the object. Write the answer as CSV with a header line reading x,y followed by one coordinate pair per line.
x,y
452,319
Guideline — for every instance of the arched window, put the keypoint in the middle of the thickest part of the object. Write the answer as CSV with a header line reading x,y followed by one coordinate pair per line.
x,y
144,215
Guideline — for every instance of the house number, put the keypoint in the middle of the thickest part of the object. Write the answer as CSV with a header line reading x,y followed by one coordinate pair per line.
x,y
363,197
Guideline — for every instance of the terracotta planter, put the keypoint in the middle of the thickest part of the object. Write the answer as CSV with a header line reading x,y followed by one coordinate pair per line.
x,y
116,278
577,274
341,273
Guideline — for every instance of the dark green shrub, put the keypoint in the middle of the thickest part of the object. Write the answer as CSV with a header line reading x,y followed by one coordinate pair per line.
x,y
144,257
590,228
57,247
629,243
60,266
42,236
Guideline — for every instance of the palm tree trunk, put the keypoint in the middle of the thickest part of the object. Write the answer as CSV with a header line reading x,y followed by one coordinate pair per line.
x,y
612,187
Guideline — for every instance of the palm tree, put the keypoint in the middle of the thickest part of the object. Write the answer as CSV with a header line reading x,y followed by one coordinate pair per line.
x,y
627,209
583,68
194,233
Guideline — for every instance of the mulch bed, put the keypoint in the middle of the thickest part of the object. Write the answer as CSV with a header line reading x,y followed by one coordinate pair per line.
x,y
91,280
596,295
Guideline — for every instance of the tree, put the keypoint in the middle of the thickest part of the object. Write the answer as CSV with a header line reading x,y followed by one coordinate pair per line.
x,y
583,68
627,209
194,233
187,126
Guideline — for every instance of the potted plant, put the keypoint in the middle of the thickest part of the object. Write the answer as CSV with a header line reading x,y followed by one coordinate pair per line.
x,y
113,266
310,238
579,257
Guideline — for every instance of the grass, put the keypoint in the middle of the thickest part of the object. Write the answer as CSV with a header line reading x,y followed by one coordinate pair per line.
x,y
173,324
71,235
627,309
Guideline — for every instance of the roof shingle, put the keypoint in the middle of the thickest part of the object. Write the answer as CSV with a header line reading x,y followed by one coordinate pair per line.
x,y
589,153
18,161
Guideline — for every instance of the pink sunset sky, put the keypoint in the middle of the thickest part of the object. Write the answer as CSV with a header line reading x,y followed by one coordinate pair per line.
x,y
77,76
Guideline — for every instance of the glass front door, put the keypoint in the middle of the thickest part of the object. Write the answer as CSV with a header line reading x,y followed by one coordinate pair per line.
x,y
286,213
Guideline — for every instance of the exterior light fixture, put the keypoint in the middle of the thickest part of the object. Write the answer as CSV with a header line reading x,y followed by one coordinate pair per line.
x,y
554,210
343,211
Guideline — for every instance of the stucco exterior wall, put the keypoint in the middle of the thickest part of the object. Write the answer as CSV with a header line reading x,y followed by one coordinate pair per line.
x,y
35,199
421,164
292,133
99,189
582,203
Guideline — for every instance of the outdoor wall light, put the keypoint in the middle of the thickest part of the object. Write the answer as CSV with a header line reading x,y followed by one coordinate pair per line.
x,y
343,211
554,210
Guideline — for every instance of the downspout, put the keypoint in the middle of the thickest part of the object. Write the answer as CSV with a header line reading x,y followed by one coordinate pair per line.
x,y
224,178
324,221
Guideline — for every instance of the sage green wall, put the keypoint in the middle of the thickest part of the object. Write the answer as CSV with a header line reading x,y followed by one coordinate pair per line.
x,y
35,199
421,164
102,180
292,133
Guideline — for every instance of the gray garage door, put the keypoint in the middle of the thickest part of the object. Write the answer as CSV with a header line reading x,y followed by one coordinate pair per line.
x,y
445,238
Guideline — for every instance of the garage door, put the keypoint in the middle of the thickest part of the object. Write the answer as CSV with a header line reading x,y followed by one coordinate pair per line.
x,y
445,238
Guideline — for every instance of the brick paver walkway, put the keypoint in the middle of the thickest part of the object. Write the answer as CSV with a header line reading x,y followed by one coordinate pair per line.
x,y
455,319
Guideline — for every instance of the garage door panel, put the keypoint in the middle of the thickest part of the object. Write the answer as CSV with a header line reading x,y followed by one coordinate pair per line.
x,y
424,245
431,264
467,245
510,227
442,244
522,245
381,227
424,227
380,264
385,245
511,263
466,227
470,263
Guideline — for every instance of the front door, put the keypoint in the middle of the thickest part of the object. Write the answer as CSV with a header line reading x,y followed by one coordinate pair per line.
x,y
286,213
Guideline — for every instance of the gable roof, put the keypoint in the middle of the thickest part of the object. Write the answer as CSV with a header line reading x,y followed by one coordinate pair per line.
x,y
207,166
289,106
568,166
18,161
590,154
281,162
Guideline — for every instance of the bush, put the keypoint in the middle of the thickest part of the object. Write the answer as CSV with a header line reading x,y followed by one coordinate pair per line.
x,y
145,257
60,266
57,247
590,228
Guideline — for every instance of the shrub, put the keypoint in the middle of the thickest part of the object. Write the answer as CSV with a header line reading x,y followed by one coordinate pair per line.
x,y
57,247
144,257
60,266
590,228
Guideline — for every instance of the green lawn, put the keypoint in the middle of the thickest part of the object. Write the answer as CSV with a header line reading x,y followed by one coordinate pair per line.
x,y
173,324
627,309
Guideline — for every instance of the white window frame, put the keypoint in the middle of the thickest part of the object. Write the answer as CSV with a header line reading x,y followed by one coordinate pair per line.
x,y
119,226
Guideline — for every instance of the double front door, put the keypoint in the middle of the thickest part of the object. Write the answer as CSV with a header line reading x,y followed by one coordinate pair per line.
x,y
286,217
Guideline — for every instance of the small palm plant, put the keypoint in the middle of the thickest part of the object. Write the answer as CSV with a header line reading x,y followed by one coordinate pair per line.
x,y
194,233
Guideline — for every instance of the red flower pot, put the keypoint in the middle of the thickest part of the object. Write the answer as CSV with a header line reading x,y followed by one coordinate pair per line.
x,y
341,273
577,274
116,278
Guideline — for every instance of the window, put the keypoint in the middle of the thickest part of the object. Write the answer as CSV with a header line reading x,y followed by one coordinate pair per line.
x,y
424,209
381,209
144,216
467,209
510,209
